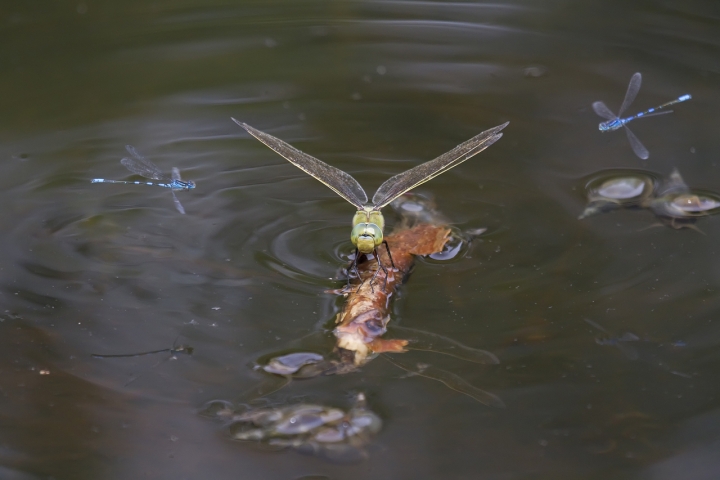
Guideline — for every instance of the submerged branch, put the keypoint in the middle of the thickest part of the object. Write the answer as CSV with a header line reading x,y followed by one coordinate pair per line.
x,y
364,318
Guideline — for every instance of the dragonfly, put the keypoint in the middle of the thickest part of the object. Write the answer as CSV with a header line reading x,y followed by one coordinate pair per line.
x,y
144,167
368,222
614,122
173,351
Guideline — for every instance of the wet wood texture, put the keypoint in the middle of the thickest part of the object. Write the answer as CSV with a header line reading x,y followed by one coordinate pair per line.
x,y
365,315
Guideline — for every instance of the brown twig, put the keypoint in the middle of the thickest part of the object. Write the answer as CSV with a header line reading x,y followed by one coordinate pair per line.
x,y
363,320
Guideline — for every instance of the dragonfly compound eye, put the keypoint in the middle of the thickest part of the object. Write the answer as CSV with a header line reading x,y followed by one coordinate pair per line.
x,y
366,236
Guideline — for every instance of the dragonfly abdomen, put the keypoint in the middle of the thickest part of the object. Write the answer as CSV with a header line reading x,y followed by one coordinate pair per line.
x,y
102,180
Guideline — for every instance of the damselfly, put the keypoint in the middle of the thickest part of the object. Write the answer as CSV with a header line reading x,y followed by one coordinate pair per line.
x,y
614,122
144,167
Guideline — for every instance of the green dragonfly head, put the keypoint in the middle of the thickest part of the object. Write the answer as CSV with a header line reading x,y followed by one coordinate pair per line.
x,y
367,232
366,237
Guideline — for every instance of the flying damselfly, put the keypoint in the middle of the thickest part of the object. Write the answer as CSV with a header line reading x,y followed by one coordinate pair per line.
x,y
144,167
614,122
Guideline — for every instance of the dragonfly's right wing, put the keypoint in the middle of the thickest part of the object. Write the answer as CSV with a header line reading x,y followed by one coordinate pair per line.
x,y
632,91
602,110
178,205
402,182
142,166
636,145
338,181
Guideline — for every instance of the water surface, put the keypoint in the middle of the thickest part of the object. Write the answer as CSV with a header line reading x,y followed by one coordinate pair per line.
x,y
374,88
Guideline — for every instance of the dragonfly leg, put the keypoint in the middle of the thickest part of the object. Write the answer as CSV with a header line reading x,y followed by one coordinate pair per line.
x,y
353,265
387,247
380,267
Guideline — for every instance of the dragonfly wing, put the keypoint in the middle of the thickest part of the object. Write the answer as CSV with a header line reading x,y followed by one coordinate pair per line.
x,y
337,180
452,381
142,166
176,174
401,183
132,151
636,145
602,110
178,205
632,91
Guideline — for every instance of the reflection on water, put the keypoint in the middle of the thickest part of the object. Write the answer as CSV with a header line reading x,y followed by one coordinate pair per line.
x,y
374,88
139,165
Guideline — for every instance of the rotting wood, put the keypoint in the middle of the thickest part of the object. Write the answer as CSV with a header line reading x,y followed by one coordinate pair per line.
x,y
365,315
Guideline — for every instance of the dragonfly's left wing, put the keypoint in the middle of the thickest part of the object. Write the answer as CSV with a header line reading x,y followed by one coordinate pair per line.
x,y
176,174
178,205
142,166
338,181
602,110
401,183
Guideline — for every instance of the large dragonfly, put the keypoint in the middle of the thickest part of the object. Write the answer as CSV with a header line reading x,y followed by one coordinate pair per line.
x,y
614,122
368,222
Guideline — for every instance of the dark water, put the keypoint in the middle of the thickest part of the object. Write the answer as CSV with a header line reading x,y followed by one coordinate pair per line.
x,y
373,87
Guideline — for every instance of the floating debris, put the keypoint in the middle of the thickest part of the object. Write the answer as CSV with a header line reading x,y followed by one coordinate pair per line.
x,y
624,190
330,432
670,199
678,206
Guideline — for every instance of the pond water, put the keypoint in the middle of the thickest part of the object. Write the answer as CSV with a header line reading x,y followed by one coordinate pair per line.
x,y
374,88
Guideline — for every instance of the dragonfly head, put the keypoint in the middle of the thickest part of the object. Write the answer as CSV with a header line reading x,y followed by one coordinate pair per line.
x,y
190,185
366,237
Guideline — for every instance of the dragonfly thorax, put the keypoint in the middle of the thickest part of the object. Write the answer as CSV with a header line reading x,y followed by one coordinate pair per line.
x,y
611,125
182,185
